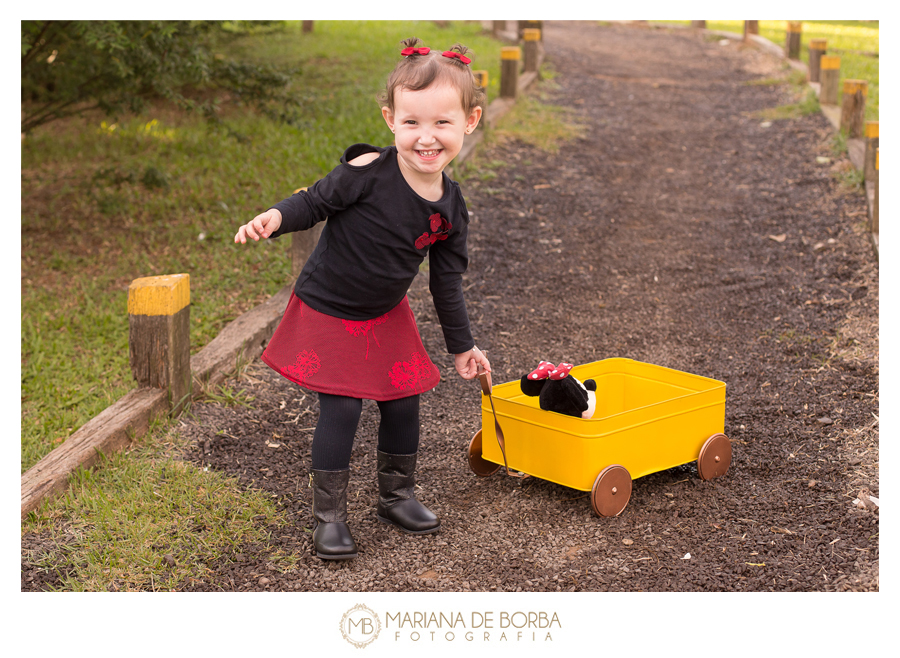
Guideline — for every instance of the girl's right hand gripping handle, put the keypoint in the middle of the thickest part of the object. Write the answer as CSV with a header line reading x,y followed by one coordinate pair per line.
x,y
485,378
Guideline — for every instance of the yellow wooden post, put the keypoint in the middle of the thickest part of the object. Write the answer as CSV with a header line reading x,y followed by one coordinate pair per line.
x,y
510,56
871,148
750,27
853,107
830,75
529,25
874,227
792,46
532,38
159,335
816,50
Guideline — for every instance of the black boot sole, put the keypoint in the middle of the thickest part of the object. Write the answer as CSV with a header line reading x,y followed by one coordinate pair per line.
x,y
348,556
429,531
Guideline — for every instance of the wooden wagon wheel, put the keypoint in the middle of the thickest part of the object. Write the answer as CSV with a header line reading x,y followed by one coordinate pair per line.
x,y
715,457
479,465
611,491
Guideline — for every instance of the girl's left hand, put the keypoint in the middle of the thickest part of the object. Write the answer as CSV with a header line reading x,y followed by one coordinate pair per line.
x,y
467,363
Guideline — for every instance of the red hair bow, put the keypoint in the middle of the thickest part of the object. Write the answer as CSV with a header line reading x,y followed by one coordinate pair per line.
x,y
406,52
547,370
453,53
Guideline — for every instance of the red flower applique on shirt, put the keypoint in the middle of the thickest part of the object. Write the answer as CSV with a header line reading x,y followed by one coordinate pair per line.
x,y
440,229
362,327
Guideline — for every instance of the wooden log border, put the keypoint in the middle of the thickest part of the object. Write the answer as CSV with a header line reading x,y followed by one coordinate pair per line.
x,y
242,340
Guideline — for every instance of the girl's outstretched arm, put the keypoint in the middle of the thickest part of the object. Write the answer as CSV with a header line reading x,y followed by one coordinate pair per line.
x,y
467,363
263,225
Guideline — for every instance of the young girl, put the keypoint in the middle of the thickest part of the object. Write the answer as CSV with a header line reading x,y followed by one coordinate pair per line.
x,y
348,332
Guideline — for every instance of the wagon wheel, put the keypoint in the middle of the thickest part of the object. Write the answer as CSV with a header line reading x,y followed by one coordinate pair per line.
x,y
715,457
479,465
611,491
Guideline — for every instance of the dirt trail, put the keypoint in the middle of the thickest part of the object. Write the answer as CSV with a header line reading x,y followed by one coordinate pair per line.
x,y
658,237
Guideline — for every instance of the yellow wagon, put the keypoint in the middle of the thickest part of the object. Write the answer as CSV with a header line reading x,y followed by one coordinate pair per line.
x,y
648,418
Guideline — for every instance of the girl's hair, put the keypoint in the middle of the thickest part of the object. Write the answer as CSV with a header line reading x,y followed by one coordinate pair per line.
x,y
416,72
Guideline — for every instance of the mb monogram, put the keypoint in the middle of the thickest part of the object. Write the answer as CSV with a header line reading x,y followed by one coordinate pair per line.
x,y
360,626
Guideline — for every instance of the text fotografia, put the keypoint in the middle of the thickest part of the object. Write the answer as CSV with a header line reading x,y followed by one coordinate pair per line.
x,y
479,626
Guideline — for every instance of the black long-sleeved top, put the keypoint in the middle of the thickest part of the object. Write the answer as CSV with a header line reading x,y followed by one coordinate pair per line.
x,y
377,234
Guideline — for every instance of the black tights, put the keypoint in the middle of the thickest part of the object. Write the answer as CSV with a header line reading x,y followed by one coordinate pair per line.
x,y
398,433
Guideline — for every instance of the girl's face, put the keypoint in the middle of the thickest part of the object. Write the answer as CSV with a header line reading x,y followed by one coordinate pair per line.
x,y
429,126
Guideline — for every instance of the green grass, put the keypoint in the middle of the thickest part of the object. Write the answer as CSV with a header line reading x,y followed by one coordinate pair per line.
x,y
809,104
538,124
146,521
107,201
855,42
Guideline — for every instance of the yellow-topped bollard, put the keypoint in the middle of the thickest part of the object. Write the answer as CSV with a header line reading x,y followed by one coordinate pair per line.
x,y
792,43
853,107
869,171
532,37
159,295
817,49
830,75
873,222
510,57
159,335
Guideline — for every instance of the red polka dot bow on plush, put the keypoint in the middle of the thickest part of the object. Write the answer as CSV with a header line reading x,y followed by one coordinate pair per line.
x,y
547,370
406,52
461,58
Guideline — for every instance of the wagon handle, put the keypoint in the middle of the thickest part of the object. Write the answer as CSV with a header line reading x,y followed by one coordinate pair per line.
x,y
486,387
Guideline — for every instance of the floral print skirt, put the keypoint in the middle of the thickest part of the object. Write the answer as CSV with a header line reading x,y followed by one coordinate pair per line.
x,y
378,359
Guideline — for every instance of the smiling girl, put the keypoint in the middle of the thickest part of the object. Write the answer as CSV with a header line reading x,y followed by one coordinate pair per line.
x,y
348,332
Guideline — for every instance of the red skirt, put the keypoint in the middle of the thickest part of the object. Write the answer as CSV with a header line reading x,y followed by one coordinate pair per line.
x,y
379,359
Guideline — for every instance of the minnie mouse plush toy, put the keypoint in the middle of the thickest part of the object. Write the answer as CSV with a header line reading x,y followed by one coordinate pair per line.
x,y
559,391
